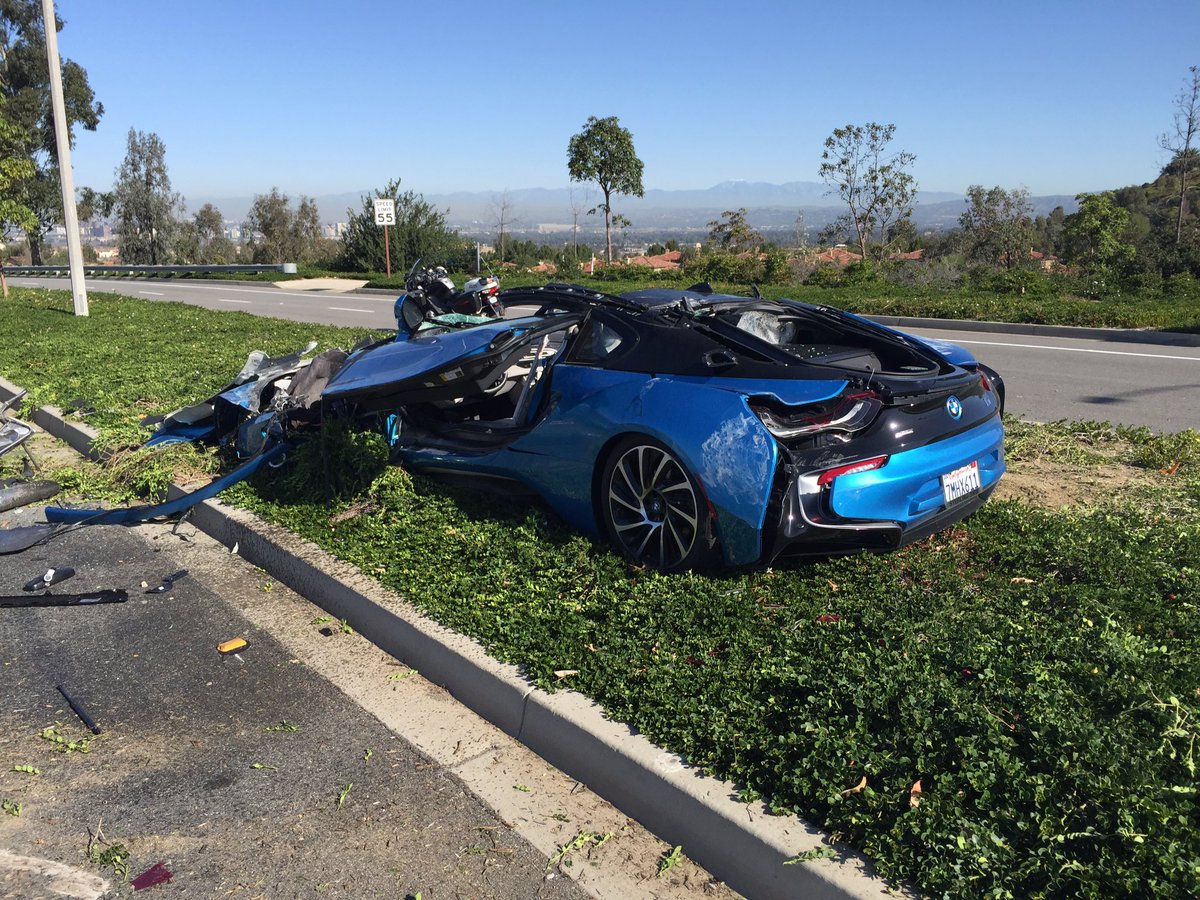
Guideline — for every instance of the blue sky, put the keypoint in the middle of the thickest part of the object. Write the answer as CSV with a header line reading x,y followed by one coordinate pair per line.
x,y
320,98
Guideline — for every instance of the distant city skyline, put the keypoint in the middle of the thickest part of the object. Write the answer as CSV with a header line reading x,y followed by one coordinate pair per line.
x,y
1057,98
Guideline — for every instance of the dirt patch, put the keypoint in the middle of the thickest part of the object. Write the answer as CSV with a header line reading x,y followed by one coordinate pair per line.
x,y
1052,485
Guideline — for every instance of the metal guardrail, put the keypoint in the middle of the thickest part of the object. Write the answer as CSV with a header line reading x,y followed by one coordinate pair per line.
x,y
285,268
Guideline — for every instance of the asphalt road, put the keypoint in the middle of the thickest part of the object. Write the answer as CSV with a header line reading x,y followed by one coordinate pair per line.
x,y
1047,378
1064,378
194,767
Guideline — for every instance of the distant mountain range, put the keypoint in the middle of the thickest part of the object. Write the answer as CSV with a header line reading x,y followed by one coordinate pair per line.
x,y
769,206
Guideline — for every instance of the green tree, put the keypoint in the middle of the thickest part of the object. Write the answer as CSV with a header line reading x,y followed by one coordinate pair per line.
x,y
732,233
876,187
420,232
996,226
1181,139
212,247
603,152
15,167
143,203
25,86
1047,232
1094,237
280,234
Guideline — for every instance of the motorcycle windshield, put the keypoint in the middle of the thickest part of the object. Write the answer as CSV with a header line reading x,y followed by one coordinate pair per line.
x,y
445,365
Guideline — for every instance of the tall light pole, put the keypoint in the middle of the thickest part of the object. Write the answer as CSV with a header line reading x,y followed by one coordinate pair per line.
x,y
62,138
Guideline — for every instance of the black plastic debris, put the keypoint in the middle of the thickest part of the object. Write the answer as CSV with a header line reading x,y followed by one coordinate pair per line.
x,y
80,710
168,581
105,596
51,577
82,408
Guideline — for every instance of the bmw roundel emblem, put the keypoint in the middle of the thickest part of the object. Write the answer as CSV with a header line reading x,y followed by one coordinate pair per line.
x,y
954,407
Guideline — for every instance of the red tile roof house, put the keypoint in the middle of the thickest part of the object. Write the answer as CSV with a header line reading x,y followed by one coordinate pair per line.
x,y
838,256
668,260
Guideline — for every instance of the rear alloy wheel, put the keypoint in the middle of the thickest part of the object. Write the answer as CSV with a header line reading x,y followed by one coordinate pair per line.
x,y
653,509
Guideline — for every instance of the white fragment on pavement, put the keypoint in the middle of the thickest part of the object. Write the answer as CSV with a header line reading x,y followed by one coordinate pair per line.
x,y
234,548
44,876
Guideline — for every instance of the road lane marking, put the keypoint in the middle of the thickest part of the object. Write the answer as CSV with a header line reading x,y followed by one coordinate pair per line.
x,y
278,292
1073,349
151,293
350,309
226,300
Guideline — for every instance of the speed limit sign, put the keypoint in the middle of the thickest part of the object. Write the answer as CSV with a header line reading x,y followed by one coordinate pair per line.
x,y
385,211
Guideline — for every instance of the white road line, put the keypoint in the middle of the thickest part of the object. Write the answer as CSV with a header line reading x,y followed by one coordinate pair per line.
x,y
151,293
350,309
225,300
278,292
1194,359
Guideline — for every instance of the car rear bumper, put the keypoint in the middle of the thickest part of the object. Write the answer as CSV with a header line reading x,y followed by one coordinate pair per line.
x,y
896,504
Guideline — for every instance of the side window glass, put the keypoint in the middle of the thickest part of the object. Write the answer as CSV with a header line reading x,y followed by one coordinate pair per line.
x,y
601,342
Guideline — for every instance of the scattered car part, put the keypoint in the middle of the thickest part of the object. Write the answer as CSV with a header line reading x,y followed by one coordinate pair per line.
x,y
50,578
253,390
168,582
234,645
79,710
104,596
156,874
80,407
23,493
13,432
14,540
135,514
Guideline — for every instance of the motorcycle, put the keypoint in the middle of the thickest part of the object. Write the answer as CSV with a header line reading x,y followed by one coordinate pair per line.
x,y
434,292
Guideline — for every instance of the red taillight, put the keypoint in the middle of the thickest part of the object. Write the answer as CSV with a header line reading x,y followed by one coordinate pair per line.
x,y
848,413
867,465
984,380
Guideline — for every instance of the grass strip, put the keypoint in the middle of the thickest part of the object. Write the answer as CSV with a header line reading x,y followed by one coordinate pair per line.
x,y
1037,672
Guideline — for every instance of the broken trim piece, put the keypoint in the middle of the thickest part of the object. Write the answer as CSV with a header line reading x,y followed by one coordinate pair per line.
x,y
104,596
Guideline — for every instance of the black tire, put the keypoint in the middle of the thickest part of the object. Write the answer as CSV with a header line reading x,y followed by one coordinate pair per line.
x,y
653,509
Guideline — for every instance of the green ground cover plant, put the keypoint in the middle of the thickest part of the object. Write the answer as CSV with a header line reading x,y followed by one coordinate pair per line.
x,y
1008,709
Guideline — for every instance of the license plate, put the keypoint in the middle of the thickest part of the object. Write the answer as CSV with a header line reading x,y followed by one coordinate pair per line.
x,y
961,482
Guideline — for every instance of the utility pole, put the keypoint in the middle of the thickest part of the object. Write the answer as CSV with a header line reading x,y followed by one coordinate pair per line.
x,y
62,138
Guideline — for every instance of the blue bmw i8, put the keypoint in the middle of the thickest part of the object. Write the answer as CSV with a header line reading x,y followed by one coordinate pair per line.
x,y
690,428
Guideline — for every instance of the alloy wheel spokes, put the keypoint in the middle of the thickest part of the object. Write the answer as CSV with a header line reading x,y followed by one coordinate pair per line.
x,y
653,508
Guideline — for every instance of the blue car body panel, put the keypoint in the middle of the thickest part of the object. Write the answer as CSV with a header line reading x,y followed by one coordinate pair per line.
x,y
398,361
705,421
908,487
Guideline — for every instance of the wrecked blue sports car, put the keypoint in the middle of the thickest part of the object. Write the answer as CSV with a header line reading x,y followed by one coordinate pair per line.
x,y
687,427
690,427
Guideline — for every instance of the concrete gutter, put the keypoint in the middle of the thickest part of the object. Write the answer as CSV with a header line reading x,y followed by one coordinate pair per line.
x,y
740,843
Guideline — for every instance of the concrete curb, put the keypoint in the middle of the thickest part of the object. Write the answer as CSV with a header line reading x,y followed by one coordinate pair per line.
x,y
740,843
